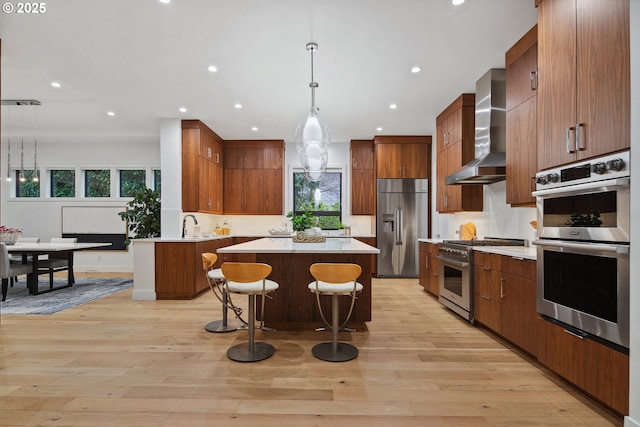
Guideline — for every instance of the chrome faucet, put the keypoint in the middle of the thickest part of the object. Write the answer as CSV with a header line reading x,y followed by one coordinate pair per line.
x,y
184,223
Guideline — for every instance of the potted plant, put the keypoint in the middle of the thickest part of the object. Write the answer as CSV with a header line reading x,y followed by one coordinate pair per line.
x,y
143,215
301,222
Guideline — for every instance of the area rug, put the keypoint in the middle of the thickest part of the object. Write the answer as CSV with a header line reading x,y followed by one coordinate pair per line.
x,y
84,290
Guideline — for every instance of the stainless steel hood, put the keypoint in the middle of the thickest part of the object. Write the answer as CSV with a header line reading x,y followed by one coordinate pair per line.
x,y
489,165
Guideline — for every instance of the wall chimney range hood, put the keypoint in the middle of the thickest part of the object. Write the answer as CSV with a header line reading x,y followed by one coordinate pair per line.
x,y
489,165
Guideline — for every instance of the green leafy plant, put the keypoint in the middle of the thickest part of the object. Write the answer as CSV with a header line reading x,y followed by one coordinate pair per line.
x,y
301,222
143,215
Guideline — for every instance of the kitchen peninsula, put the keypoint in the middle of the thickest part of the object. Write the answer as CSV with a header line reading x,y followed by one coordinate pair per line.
x,y
293,305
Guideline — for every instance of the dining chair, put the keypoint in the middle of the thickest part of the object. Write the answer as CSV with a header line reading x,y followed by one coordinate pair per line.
x,y
21,259
9,270
217,283
250,279
335,279
58,261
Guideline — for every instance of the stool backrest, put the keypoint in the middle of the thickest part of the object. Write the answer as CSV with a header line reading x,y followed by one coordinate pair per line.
x,y
335,272
245,272
208,259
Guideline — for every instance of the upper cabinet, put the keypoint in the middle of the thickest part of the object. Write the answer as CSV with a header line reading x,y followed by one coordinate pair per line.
x,y
201,168
522,81
253,177
455,128
584,79
363,181
402,156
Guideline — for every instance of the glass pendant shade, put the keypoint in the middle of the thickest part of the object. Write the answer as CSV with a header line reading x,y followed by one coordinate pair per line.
x,y
312,137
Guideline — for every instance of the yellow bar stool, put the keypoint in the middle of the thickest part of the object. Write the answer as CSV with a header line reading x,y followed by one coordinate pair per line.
x,y
335,280
250,279
216,281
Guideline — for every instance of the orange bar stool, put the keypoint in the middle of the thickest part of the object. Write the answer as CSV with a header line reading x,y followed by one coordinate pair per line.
x,y
335,280
250,279
217,281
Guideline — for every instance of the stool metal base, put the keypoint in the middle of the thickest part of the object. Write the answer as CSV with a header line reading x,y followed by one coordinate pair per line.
x,y
344,352
241,353
220,326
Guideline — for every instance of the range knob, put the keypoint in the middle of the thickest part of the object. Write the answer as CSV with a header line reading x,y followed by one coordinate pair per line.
x,y
615,165
542,179
599,168
553,177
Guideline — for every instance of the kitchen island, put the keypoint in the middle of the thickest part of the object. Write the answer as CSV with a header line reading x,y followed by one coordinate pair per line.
x,y
293,305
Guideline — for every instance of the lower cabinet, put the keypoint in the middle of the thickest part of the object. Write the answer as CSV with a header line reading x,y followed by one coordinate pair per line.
x,y
178,267
371,241
429,268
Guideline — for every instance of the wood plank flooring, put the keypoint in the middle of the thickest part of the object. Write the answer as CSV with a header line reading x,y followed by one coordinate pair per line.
x,y
150,363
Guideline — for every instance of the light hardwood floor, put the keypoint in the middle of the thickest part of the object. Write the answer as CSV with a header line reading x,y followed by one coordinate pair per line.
x,y
150,363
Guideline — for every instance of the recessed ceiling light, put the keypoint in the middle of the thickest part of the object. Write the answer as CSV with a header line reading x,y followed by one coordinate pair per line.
x,y
212,68
416,70
238,106
111,113
254,128
393,106
457,2
182,110
164,1
56,84
378,129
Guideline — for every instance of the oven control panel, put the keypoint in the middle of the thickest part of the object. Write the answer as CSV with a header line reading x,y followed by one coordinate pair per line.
x,y
606,167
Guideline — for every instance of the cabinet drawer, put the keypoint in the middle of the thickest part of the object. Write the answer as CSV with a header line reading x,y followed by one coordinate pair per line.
x,y
488,260
519,267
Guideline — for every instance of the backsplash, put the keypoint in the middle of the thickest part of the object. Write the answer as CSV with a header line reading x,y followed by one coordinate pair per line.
x,y
497,219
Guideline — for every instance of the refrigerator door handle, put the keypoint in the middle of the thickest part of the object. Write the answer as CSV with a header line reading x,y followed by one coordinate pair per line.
x,y
399,226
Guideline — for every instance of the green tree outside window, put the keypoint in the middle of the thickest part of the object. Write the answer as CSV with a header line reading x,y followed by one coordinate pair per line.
x,y
157,180
63,183
26,187
132,182
321,198
97,183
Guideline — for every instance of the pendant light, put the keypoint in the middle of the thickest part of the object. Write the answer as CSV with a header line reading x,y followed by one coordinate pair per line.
x,y
22,178
36,172
9,161
312,136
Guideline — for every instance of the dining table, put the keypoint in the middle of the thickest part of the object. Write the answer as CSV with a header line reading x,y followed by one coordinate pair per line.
x,y
35,250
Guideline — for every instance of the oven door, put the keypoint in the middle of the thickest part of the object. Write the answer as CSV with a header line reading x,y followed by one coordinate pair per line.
x,y
455,286
585,286
595,211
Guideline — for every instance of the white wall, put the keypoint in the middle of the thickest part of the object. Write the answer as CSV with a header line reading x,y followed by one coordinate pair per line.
x,y
42,217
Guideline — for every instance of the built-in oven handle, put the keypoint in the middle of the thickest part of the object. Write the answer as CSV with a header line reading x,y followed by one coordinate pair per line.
x,y
620,249
452,262
617,182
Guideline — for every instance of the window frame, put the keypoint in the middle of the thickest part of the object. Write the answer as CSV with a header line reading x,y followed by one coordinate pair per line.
x,y
321,213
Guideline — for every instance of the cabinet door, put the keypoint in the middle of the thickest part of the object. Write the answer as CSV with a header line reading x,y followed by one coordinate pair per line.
x,y
423,265
233,158
272,204
414,160
272,157
434,273
557,86
521,153
205,185
362,192
253,157
519,316
522,78
362,157
487,284
454,127
603,77
217,188
453,162
389,161
233,190
255,199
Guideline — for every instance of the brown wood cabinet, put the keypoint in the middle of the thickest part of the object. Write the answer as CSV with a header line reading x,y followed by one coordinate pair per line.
x,y
253,177
522,78
456,138
363,180
597,369
584,80
505,298
178,267
403,156
371,241
202,173
429,268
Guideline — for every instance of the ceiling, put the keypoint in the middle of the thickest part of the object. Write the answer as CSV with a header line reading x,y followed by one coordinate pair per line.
x,y
144,59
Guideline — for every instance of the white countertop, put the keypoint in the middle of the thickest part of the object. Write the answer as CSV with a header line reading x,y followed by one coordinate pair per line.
x,y
223,236
526,252
280,245
435,241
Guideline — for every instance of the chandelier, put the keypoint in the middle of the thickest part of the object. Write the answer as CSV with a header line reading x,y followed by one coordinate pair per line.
x,y
312,135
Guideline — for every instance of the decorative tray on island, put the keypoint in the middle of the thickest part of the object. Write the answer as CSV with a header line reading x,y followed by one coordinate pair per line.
x,y
279,231
302,237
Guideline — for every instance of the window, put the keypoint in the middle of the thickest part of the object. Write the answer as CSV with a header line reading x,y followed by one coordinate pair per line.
x,y
157,180
97,183
27,187
131,181
322,198
63,183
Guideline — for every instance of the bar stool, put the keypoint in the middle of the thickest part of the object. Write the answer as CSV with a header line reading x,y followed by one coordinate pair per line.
x,y
335,280
250,279
216,281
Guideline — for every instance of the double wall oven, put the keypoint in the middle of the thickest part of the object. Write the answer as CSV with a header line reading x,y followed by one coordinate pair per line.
x,y
583,248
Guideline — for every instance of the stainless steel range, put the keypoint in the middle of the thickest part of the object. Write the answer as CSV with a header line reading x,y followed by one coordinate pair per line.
x,y
456,272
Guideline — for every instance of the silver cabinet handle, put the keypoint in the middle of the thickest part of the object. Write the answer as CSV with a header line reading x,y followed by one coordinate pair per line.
x,y
569,140
486,268
217,157
533,80
485,297
502,295
575,334
578,146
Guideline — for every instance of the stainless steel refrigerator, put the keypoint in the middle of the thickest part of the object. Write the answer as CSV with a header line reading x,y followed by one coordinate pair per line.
x,y
402,219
